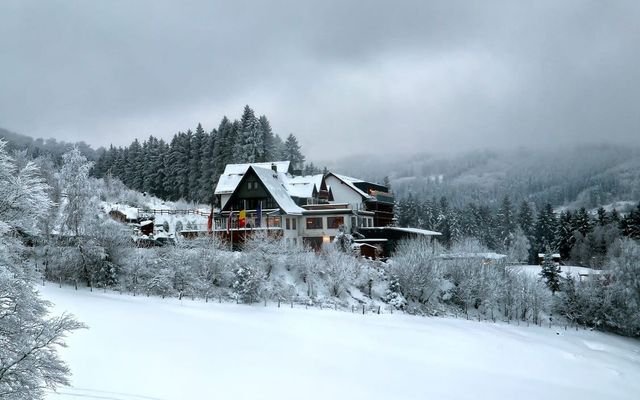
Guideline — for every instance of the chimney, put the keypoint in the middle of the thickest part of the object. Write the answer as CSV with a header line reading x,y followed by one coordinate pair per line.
x,y
274,168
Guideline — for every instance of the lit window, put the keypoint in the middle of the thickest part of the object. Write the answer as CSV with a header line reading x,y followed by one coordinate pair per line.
x,y
314,223
334,222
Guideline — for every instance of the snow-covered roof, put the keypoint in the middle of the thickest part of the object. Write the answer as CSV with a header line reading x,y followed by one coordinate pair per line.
x,y
276,188
128,211
233,174
349,181
416,231
302,186
486,256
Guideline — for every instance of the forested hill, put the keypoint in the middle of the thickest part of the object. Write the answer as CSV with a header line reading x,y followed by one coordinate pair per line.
x,y
34,148
581,176
188,166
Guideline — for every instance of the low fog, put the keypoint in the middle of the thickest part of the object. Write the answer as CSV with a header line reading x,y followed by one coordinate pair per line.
x,y
345,77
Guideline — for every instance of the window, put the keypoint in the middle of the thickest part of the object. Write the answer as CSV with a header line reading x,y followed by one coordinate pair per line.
x,y
294,223
287,224
295,241
334,222
252,185
314,223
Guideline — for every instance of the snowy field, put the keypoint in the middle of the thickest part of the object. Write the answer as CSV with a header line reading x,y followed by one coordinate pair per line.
x,y
150,349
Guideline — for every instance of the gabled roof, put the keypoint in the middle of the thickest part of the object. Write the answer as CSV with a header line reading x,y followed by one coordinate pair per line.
x,y
349,181
275,187
233,174
303,186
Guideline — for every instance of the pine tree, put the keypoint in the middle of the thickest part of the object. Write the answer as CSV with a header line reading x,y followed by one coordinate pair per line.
x,y
545,229
630,224
603,218
550,273
249,146
582,222
268,141
208,169
293,153
506,224
223,151
133,176
525,219
278,148
195,159
565,238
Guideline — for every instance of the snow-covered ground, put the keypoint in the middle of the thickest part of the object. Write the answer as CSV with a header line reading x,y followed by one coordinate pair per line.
x,y
566,270
149,348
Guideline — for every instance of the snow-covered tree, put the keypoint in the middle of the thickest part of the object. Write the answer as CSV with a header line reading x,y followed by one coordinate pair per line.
x,y
29,337
550,273
418,270
77,203
518,250
293,152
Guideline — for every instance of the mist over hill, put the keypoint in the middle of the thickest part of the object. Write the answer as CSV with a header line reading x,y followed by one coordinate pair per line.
x,y
588,175
580,176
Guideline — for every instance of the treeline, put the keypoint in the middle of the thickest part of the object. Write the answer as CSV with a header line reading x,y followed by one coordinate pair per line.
x,y
189,166
28,148
523,230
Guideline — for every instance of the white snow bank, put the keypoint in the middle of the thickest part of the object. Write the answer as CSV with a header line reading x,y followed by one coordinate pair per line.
x,y
140,347
565,270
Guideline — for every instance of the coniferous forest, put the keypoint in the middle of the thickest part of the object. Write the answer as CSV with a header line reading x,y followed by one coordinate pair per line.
x,y
580,236
189,165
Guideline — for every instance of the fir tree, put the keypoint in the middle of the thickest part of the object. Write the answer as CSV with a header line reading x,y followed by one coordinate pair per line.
x,y
249,146
269,152
545,228
565,236
293,153
506,224
550,273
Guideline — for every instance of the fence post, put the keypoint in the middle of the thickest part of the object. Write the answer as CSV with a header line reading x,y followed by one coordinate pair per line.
x,y
378,310
278,302
363,309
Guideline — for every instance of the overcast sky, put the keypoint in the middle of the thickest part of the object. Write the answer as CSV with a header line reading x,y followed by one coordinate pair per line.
x,y
343,76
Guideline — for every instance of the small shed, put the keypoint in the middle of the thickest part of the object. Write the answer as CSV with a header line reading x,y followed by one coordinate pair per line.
x,y
146,227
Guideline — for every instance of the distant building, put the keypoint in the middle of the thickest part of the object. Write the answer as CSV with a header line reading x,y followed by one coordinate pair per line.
x,y
555,257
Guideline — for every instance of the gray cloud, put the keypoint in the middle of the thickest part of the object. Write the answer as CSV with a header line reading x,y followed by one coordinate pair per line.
x,y
372,76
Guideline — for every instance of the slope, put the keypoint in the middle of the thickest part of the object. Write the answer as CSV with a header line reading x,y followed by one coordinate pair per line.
x,y
140,347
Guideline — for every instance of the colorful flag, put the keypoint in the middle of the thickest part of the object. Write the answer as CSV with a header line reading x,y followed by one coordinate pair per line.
x,y
259,215
242,218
